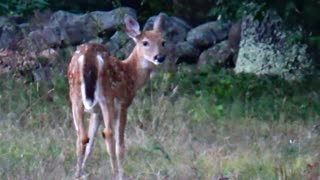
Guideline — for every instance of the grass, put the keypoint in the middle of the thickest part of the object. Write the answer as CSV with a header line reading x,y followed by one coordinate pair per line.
x,y
202,125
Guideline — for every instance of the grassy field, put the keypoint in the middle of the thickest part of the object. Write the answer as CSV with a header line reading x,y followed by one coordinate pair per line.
x,y
181,126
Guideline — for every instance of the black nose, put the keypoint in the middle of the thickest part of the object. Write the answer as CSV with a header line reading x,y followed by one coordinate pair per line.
x,y
159,58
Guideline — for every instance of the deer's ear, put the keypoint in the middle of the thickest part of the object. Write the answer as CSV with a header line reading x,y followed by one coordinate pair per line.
x,y
158,24
132,26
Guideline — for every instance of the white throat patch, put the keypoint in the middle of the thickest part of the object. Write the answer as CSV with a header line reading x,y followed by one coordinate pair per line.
x,y
145,63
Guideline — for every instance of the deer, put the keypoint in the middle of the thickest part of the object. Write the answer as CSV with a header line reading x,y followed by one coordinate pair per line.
x,y
105,87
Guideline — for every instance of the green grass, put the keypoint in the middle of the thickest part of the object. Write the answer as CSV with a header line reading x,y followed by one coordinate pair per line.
x,y
201,125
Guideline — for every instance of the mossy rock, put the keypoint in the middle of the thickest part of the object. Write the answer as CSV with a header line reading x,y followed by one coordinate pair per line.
x,y
267,48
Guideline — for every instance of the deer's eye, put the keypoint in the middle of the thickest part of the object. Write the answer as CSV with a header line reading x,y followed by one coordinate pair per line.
x,y
163,43
145,43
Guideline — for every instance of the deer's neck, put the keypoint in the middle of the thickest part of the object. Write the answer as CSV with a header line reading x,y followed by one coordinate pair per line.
x,y
139,68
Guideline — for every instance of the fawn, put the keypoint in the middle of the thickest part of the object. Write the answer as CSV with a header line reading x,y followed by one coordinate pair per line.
x,y
105,87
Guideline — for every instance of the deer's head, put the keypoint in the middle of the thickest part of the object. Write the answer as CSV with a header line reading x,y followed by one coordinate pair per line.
x,y
149,44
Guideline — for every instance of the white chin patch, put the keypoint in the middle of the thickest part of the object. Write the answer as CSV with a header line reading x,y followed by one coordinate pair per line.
x,y
156,63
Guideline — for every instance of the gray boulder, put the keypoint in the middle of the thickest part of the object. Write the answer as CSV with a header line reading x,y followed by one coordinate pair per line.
x,y
3,20
234,36
186,52
174,29
234,42
9,33
266,48
219,55
120,45
68,28
208,34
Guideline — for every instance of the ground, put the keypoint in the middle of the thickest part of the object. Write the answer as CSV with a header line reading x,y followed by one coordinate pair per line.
x,y
180,126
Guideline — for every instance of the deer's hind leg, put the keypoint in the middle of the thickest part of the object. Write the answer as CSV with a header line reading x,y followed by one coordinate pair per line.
x,y
108,114
94,123
82,138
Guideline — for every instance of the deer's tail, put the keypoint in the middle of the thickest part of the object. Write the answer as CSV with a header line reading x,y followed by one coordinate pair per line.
x,y
90,66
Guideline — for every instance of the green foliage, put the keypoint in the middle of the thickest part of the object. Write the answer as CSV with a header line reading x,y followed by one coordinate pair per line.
x,y
31,101
294,13
153,7
21,7
315,41
221,94
211,94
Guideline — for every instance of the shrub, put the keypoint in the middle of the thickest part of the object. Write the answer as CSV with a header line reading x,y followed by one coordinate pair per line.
x,y
21,7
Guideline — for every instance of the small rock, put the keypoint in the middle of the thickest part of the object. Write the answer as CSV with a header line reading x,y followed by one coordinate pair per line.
x,y
48,53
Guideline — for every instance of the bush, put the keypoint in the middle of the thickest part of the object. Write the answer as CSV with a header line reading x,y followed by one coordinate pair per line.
x,y
21,7
225,95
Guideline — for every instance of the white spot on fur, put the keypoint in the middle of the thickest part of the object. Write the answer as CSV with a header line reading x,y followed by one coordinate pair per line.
x,y
100,61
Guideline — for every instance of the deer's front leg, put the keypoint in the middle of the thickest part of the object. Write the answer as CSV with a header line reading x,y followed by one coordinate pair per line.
x,y
120,147
107,109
